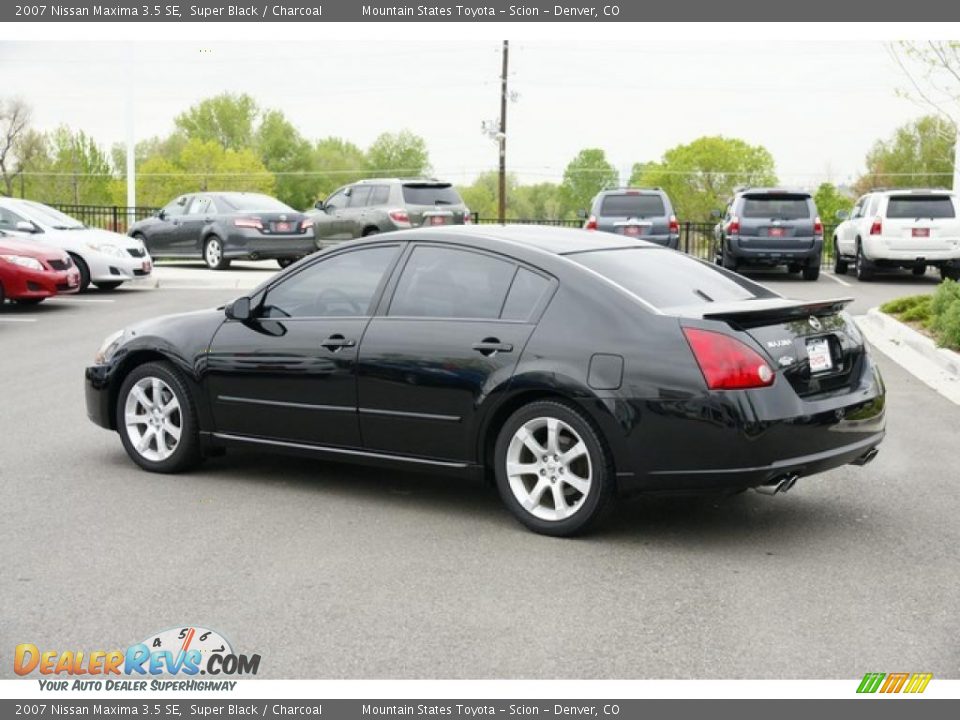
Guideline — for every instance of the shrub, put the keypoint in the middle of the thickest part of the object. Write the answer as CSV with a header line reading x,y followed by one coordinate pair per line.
x,y
939,313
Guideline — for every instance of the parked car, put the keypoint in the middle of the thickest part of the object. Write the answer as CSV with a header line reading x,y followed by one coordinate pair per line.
x,y
770,226
645,213
571,365
368,207
30,272
223,226
106,259
912,229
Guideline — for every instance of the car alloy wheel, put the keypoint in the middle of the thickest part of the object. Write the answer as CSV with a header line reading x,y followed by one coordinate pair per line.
x,y
549,468
153,419
213,253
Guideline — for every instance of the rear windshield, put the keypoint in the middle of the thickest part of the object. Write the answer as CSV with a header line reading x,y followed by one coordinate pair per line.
x,y
920,206
430,195
781,207
253,203
665,278
632,205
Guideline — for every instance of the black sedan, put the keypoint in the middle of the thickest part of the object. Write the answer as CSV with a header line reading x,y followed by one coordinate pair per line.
x,y
567,365
223,226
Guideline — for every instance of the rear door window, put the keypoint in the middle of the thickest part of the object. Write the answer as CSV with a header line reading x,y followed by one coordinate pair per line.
x,y
665,278
449,283
770,206
430,194
524,296
903,207
379,195
632,205
359,196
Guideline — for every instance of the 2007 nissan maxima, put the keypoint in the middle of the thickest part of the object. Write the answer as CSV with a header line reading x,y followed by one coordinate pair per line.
x,y
568,365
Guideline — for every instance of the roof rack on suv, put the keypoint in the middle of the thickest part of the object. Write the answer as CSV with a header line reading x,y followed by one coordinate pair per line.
x,y
418,178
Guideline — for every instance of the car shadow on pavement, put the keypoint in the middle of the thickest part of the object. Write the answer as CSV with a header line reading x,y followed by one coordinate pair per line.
x,y
898,276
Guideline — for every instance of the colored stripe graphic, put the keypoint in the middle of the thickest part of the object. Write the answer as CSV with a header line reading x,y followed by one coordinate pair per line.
x,y
870,682
918,682
894,682
914,683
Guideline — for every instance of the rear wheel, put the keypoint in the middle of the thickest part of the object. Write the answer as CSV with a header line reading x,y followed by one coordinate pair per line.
x,y
919,270
157,420
84,272
949,272
286,262
108,286
371,231
728,260
794,267
554,471
839,264
213,254
862,267
811,272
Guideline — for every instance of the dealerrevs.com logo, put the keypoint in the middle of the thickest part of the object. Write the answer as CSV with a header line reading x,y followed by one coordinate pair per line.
x,y
892,683
184,652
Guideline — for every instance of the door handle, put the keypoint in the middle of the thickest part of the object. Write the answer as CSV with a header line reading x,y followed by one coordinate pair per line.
x,y
490,346
336,342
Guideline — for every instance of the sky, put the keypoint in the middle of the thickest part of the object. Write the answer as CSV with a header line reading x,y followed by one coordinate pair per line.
x,y
818,107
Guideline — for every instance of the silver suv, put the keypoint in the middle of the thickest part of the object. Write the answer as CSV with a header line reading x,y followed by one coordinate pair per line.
x,y
373,206
645,213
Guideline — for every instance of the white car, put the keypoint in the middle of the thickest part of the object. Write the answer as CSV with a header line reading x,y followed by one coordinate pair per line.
x,y
106,259
900,228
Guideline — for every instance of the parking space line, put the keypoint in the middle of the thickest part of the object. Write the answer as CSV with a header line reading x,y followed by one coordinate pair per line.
x,y
837,280
17,319
81,300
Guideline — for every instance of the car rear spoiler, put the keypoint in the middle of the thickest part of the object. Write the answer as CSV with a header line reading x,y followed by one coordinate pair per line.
x,y
767,311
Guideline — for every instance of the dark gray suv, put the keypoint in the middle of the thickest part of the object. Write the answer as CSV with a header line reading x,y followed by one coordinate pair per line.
x,y
770,226
645,213
368,207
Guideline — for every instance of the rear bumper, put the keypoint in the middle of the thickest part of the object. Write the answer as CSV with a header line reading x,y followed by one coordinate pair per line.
x,y
270,248
761,251
670,241
878,251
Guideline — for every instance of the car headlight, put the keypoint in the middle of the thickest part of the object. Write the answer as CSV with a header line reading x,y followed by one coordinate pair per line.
x,y
22,261
108,347
106,249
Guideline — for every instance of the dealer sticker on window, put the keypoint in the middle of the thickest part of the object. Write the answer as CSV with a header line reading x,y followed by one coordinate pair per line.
x,y
818,352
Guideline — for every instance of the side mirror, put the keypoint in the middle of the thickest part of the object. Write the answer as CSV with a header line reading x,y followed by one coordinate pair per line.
x,y
25,226
716,214
842,214
318,204
582,214
239,309
162,214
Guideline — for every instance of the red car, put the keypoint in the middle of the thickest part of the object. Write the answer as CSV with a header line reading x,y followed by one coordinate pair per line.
x,y
31,272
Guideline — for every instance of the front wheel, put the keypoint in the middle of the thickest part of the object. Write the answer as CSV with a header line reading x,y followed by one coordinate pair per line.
x,y
108,286
29,301
84,271
554,472
213,254
157,420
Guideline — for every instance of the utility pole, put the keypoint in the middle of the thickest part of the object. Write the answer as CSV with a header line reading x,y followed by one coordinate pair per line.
x,y
956,162
502,136
131,141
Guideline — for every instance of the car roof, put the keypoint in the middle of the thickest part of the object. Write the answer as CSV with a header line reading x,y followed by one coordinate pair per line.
x,y
773,191
908,191
404,180
553,240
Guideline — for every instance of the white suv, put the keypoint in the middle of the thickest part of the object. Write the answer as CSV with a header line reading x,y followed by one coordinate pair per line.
x,y
900,228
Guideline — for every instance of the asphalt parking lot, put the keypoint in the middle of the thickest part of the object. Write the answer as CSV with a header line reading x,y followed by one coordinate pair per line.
x,y
333,571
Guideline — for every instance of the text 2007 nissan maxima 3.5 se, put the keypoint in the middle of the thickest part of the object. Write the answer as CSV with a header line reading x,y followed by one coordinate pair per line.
x,y
568,365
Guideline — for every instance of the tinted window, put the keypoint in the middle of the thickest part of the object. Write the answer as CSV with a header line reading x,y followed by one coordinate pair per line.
x,y
379,195
525,293
920,206
9,219
421,194
632,205
341,286
359,196
440,282
665,278
784,207
253,202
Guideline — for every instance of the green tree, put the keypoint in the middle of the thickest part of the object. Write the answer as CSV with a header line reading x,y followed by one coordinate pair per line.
x,y
285,152
700,176
73,169
211,167
401,154
226,119
586,175
918,154
337,162
541,201
830,201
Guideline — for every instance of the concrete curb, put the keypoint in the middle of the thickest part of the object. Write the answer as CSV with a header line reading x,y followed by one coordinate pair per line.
x,y
914,352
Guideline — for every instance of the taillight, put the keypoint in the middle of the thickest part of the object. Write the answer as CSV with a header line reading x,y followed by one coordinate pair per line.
x,y
591,223
674,225
877,227
306,224
467,217
399,216
726,363
817,226
733,227
249,223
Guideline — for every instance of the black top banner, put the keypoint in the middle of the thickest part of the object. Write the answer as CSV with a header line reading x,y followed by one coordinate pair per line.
x,y
490,11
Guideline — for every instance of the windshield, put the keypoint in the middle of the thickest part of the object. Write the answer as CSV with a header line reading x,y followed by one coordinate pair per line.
x,y
665,278
632,206
430,195
46,215
784,207
254,203
903,207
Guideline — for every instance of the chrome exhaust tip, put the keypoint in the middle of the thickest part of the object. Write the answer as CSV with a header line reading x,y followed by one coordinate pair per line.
x,y
868,456
778,485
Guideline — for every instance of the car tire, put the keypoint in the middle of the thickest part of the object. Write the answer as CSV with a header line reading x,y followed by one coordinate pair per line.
x,y
727,260
28,301
556,497
948,272
811,272
919,270
84,272
158,390
285,262
863,268
213,253
371,231
108,286
794,268
839,264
